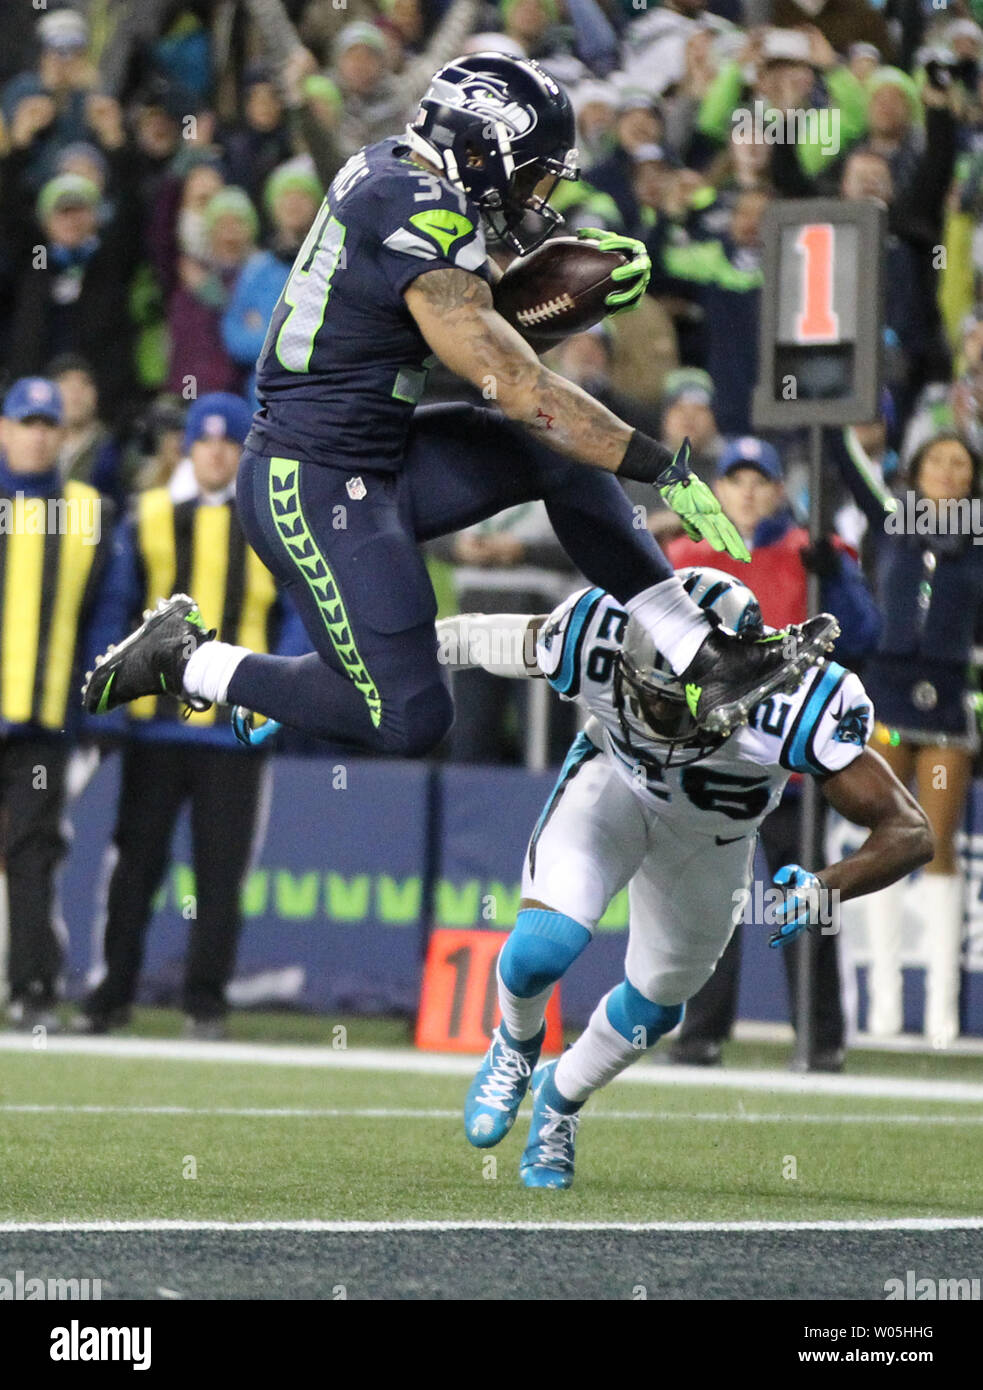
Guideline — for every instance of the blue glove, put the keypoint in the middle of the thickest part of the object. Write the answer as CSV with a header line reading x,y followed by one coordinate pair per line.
x,y
795,914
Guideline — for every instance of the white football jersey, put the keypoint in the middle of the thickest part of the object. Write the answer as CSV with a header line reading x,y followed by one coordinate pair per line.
x,y
818,729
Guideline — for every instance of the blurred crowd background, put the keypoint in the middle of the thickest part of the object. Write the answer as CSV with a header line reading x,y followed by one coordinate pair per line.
x,y
160,165
165,160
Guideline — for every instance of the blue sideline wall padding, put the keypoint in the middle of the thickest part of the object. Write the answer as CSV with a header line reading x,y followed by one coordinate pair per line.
x,y
361,856
333,910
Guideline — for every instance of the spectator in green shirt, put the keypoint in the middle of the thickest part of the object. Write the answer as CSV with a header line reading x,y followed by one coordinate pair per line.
x,y
794,70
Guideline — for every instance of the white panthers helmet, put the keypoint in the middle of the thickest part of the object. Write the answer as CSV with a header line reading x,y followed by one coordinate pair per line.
x,y
649,694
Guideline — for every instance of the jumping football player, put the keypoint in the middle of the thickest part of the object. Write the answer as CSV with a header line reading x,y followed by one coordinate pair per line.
x,y
646,798
342,476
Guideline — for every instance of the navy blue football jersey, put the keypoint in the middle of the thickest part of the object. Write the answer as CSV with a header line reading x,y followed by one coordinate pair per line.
x,y
344,364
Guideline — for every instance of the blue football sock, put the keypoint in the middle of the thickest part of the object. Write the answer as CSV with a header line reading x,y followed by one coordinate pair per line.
x,y
555,1099
541,948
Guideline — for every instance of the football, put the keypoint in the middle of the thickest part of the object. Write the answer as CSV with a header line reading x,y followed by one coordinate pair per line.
x,y
558,289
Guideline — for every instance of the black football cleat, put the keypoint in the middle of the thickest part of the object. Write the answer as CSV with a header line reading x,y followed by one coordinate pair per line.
x,y
696,1052
730,675
151,660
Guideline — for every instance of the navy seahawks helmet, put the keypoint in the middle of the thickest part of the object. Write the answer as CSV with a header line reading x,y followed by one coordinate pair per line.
x,y
649,696
498,126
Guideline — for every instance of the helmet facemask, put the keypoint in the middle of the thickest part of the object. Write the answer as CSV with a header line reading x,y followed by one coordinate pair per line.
x,y
657,707
649,697
527,192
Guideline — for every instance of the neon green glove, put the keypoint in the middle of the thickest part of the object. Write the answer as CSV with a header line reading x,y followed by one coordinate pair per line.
x,y
636,272
697,508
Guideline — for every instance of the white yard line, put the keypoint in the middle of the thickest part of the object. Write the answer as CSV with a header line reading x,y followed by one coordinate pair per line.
x,y
878,1117
917,1223
411,1062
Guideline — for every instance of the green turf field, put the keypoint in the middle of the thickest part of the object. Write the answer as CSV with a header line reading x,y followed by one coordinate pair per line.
x,y
685,1153
106,1138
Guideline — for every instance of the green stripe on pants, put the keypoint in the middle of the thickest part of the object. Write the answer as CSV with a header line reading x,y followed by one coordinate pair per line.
x,y
294,532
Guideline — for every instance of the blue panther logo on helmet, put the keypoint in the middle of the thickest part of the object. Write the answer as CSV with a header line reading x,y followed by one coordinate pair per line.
x,y
498,127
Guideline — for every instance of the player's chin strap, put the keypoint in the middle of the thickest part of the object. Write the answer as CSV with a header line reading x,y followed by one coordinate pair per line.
x,y
444,159
245,731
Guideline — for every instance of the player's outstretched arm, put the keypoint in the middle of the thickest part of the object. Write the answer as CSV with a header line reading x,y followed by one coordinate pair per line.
x,y
456,315
504,644
900,840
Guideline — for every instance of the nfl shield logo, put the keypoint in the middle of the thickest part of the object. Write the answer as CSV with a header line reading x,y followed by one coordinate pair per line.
x,y
355,489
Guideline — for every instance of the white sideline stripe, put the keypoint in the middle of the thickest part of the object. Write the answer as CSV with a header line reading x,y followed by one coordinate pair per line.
x,y
377,1113
409,1061
915,1223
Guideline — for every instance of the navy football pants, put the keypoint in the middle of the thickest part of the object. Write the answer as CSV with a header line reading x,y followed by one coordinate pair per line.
x,y
352,567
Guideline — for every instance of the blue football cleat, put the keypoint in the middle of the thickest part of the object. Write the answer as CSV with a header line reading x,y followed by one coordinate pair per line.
x,y
498,1089
547,1160
245,730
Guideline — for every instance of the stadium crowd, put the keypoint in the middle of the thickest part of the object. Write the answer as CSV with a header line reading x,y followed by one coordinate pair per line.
x,y
160,165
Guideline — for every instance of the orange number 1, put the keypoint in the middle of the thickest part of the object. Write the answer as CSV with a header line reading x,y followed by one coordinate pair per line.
x,y
816,322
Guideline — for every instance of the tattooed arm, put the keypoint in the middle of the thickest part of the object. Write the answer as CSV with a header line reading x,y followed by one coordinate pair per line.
x,y
457,317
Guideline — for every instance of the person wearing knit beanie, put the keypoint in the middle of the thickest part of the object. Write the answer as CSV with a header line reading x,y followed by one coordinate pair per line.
x,y
318,87
902,82
895,119
292,195
296,175
66,191
232,202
